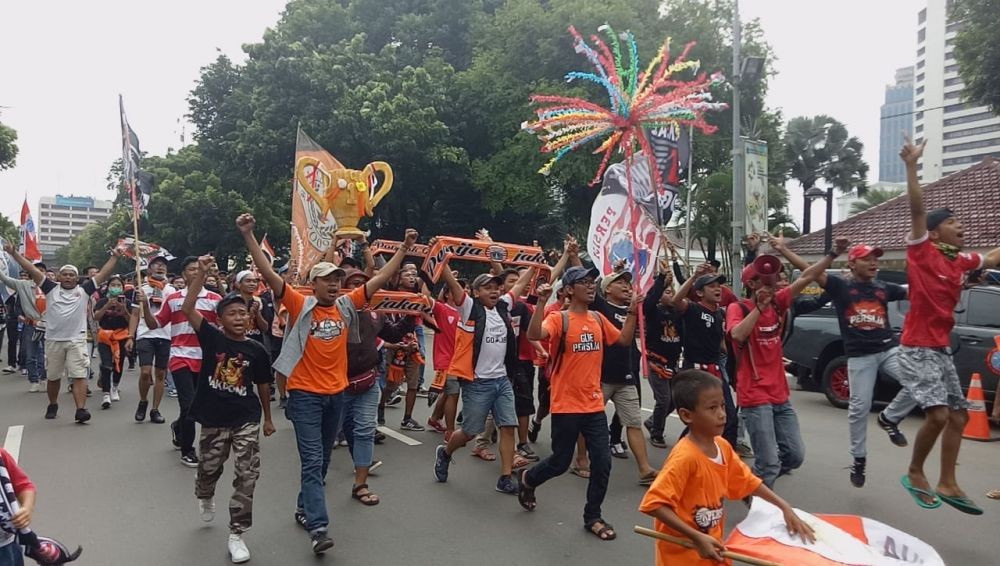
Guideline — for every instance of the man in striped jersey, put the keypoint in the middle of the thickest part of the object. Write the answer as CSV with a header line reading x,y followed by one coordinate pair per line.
x,y
185,353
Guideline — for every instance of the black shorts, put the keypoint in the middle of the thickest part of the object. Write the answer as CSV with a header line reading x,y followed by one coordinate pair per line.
x,y
523,383
153,352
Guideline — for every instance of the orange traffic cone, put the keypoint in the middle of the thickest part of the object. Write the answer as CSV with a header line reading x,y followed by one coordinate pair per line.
x,y
978,427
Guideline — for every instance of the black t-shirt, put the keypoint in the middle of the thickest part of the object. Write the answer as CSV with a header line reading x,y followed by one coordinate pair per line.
x,y
663,328
621,363
863,313
703,333
114,318
225,395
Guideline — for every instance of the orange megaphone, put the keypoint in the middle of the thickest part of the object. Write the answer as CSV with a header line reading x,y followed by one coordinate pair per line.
x,y
767,267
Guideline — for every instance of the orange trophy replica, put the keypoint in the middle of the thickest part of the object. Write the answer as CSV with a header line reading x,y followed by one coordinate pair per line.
x,y
330,200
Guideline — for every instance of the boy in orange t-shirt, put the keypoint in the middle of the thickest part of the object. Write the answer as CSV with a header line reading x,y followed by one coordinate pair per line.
x,y
686,499
577,403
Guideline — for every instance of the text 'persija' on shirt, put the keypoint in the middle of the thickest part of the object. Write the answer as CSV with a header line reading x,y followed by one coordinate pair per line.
x,y
575,384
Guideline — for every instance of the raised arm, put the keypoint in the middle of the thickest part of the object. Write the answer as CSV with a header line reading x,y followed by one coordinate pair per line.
x,y
992,258
560,266
628,329
819,268
390,269
484,235
680,300
522,281
28,267
910,154
108,268
454,287
535,330
366,252
778,243
197,283
246,222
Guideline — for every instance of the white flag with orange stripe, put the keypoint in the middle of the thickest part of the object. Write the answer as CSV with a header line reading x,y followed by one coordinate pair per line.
x,y
840,540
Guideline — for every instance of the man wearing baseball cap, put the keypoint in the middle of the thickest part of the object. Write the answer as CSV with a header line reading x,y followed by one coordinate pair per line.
x,y
937,270
152,346
871,347
314,357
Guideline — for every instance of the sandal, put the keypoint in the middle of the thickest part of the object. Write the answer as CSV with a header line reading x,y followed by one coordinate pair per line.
x,y
918,494
580,472
368,498
520,462
993,494
962,503
525,494
606,532
484,453
648,478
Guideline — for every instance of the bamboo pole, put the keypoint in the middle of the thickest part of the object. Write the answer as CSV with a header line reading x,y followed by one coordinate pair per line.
x,y
688,544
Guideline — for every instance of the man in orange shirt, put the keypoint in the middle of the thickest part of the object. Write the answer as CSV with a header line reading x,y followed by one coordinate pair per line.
x,y
686,499
579,338
314,357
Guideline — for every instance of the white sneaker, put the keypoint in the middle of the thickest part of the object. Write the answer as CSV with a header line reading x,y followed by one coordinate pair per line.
x,y
34,388
114,394
238,550
9,369
106,401
207,508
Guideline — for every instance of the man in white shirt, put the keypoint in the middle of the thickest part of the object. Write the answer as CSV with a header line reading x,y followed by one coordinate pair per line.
x,y
152,346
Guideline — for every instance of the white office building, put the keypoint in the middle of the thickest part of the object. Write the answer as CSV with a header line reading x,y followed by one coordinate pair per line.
x,y
959,133
62,217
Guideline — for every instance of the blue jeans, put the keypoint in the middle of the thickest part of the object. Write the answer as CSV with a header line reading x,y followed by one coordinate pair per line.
x,y
11,555
862,373
566,428
775,439
480,397
34,355
359,424
316,419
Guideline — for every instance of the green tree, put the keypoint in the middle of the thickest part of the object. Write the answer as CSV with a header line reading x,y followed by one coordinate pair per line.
x,y
977,50
875,197
8,149
821,148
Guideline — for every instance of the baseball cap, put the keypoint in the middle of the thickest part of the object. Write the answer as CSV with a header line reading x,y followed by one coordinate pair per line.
x,y
351,272
486,278
231,298
578,273
607,281
324,268
158,258
749,272
937,216
863,250
708,279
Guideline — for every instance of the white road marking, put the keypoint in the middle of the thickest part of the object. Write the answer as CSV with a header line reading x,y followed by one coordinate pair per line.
x,y
12,444
399,436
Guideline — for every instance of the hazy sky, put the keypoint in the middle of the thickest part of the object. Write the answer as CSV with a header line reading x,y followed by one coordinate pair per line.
x,y
65,62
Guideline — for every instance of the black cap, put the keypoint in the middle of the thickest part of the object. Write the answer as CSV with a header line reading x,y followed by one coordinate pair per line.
x,y
937,216
578,273
228,300
708,279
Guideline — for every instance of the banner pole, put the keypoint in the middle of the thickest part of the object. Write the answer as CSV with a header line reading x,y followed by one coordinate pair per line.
x,y
138,270
688,544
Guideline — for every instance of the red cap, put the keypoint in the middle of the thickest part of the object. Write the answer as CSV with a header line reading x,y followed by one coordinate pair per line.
x,y
863,250
749,272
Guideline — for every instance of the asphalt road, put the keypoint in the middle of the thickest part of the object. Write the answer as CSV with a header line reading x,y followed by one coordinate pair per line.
x,y
117,488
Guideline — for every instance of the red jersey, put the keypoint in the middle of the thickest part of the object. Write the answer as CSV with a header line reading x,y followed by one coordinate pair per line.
x,y
185,349
446,319
760,369
935,285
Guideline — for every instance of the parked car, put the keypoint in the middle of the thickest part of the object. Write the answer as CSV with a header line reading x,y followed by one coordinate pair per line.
x,y
815,349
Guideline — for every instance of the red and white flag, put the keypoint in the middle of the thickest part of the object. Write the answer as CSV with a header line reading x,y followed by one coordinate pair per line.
x,y
29,237
268,250
840,540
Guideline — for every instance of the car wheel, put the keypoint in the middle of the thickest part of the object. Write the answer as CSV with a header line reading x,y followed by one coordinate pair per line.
x,y
835,383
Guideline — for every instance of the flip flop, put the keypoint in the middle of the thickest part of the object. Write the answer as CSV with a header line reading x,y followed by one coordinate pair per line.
x,y
963,504
916,492
580,472
648,478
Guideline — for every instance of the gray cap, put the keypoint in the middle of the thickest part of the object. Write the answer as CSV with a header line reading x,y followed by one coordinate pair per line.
x,y
484,279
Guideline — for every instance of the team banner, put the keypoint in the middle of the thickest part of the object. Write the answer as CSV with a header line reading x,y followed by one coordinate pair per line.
x,y
391,247
147,251
138,183
755,185
610,240
312,225
840,539
671,146
400,302
478,250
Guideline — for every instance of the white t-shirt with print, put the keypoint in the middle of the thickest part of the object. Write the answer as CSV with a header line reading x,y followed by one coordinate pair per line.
x,y
66,310
493,350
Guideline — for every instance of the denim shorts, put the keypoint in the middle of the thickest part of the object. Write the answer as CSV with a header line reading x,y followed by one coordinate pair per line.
x,y
480,397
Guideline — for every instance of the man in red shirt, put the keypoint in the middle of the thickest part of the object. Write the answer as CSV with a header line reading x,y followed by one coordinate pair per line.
x,y
937,271
755,326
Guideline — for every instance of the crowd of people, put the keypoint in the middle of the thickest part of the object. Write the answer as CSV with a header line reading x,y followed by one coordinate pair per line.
x,y
508,352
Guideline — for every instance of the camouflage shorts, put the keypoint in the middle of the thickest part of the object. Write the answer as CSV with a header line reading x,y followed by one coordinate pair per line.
x,y
929,375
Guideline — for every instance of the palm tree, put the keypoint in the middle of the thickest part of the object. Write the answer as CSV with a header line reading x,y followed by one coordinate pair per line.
x,y
875,197
821,148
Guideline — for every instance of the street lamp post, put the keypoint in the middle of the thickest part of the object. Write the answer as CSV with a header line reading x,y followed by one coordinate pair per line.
x,y
816,193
